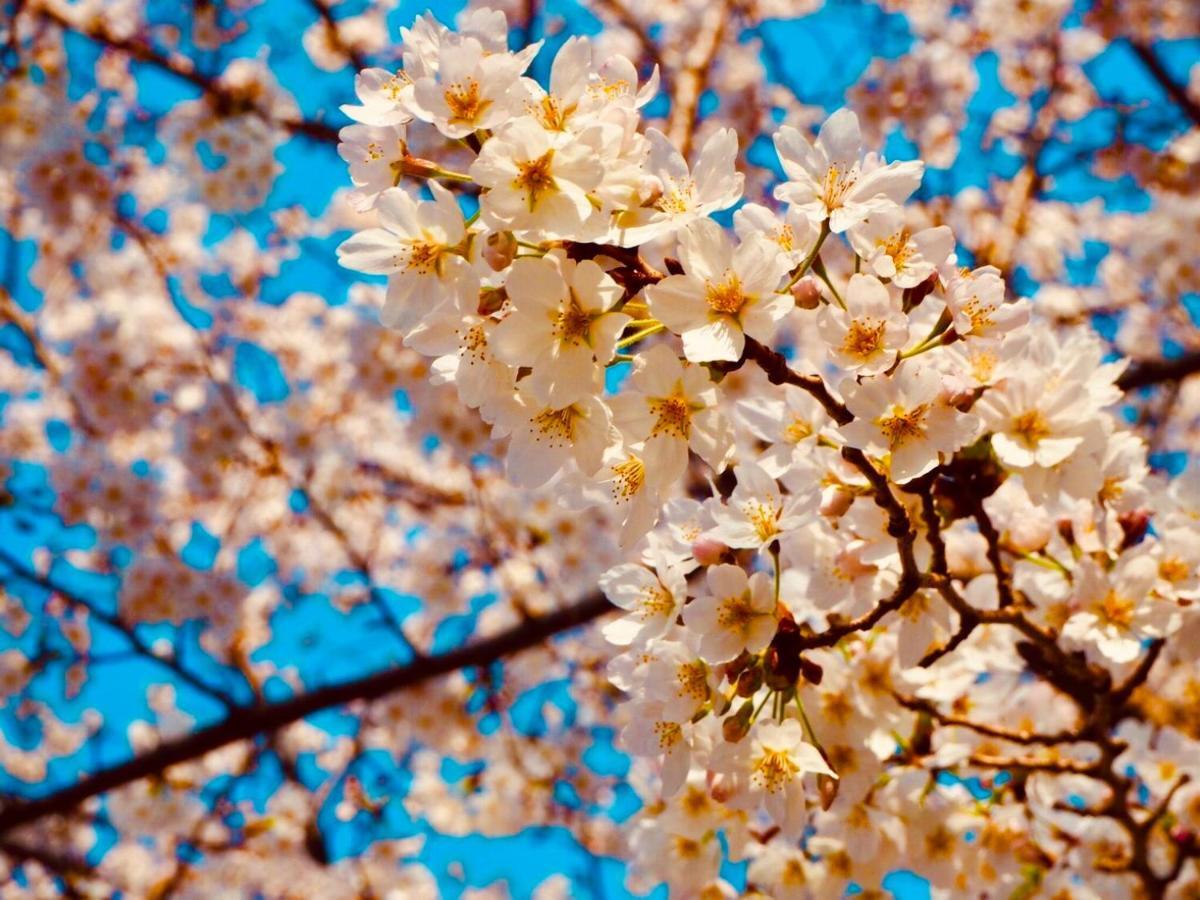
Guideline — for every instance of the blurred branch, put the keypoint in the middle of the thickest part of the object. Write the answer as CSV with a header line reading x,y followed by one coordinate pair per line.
x,y
335,35
1159,371
222,96
20,571
266,719
1176,91
693,80
624,17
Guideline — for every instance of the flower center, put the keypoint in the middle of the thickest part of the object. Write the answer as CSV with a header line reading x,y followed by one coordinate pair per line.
x,y
725,297
674,416
837,186
423,257
864,339
628,478
656,602
693,680
558,425
903,426
464,102
898,248
764,517
669,734
1031,427
797,431
1115,609
676,199
939,843
736,613
573,324
774,770
535,177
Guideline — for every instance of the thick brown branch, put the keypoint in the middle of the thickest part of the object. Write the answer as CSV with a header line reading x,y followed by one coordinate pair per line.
x,y
1158,371
266,719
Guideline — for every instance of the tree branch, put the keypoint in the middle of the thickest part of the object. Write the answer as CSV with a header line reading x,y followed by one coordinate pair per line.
x,y
1177,92
1158,371
268,718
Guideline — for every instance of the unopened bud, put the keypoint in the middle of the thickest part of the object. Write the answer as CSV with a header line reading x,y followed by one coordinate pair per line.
x,y
415,167
749,682
806,293
1134,525
737,726
708,552
810,671
499,250
834,503
737,665
828,789
491,299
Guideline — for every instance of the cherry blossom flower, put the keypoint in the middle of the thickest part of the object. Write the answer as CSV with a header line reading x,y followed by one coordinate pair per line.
x,y
758,512
679,196
472,89
422,246
831,180
767,769
893,251
904,418
651,599
738,613
867,335
670,405
725,294
562,325
534,179
1117,611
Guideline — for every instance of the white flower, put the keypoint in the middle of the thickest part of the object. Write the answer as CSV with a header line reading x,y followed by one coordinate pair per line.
x,y
904,417
767,769
833,181
680,679
385,98
460,340
537,180
671,406
651,600
758,513
680,196
867,335
825,571
373,152
422,247
725,294
1118,610
652,733
1034,422
546,438
976,300
784,871
737,614
791,425
892,251
562,325
793,235
472,89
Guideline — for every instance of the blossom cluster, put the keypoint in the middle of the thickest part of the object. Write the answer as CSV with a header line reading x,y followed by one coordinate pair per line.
x,y
854,482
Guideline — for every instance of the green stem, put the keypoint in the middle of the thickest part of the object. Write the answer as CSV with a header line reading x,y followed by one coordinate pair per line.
x,y
806,264
638,335
819,270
